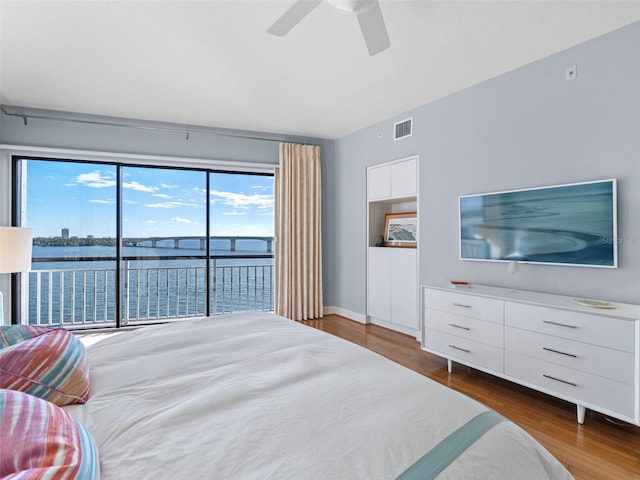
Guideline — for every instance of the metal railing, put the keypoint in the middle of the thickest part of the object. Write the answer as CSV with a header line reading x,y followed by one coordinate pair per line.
x,y
177,289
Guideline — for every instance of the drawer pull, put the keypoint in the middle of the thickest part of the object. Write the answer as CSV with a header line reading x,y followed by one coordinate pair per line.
x,y
461,349
459,326
460,305
560,324
561,353
560,380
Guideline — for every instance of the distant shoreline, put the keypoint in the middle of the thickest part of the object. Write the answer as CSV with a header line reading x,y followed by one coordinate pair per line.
x,y
74,242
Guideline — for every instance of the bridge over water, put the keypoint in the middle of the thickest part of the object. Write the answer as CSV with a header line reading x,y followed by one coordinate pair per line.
x,y
175,241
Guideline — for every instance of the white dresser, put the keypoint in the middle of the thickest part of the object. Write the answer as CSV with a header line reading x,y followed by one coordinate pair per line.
x,y
585,355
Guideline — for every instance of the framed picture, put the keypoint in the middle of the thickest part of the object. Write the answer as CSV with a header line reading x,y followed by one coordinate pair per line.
x,y
401,229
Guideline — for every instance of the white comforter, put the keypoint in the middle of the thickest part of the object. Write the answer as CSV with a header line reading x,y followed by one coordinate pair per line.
x,y
256,396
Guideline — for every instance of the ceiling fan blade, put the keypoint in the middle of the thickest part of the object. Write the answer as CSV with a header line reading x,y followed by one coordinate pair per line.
x,y
373,29
292,17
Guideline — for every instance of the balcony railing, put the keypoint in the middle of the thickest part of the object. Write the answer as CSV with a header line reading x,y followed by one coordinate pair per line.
x,y
171,288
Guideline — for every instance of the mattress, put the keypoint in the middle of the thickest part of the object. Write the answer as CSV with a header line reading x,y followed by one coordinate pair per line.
x,y
257,396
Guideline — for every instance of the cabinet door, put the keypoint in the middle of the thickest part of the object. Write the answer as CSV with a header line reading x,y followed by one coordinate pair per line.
x,y
379,182
379,283
404,287
404,178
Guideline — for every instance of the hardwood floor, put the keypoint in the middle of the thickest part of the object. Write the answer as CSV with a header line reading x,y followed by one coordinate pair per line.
x,y
597,450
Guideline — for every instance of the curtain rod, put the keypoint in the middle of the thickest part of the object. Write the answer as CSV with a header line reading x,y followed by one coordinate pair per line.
x,y
185,132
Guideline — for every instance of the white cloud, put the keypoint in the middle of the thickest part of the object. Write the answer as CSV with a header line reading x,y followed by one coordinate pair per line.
x,y
172,205
96,180
107,202
181,220
138,187
160,205
242,200
234,213
161,195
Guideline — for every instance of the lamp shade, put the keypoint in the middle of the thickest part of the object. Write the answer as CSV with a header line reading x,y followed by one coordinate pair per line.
x,y
15,249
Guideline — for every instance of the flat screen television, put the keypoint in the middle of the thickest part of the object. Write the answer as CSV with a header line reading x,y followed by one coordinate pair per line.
x,y
573,224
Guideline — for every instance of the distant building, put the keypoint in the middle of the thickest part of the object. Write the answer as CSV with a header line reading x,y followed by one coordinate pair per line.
x,y
65,233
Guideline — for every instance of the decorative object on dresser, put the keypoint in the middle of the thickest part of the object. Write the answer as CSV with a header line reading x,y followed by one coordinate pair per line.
x,y
590,302
585,355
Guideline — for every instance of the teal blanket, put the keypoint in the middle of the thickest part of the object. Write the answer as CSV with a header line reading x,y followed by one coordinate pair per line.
x,y
444,453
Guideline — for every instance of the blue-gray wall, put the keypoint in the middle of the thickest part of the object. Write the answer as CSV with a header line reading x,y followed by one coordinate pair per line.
x,y
529,127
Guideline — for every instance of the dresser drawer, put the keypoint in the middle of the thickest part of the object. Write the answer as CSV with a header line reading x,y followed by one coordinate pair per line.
x,y
471,328
488,309
579,387
582,327
464,350
601,361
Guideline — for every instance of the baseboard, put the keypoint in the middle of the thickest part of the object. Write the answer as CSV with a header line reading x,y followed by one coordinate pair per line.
x,y
398,328
358,317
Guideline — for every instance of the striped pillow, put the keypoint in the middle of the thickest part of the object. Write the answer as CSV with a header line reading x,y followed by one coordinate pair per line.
x,y
12,334
48,363
42,441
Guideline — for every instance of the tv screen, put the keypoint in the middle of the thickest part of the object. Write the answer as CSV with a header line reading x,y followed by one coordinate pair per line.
x,y
571,224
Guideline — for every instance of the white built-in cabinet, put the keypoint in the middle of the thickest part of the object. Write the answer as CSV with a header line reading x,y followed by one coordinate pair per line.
x,y
392,272
587,356
393,180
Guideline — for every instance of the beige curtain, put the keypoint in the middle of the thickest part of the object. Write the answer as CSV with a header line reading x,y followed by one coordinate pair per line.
x,y
298,233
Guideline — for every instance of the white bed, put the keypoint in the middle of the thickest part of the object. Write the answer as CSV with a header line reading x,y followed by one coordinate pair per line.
x,y
257,396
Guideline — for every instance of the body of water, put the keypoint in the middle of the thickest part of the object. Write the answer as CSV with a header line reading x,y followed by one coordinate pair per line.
x,y
156,286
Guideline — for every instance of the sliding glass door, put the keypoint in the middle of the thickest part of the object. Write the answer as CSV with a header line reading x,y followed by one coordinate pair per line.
x,y
118,244
71,207
242,241
164,226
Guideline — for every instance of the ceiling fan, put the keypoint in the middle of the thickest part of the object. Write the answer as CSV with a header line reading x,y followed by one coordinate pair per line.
x,y
368,13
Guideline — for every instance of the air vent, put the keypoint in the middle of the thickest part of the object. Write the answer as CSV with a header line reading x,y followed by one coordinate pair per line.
x,y
403,129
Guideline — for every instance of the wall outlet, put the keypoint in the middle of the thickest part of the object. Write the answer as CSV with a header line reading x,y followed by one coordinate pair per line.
x,y
571,73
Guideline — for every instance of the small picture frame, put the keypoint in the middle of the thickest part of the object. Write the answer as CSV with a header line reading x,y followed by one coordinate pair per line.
x,y
401,230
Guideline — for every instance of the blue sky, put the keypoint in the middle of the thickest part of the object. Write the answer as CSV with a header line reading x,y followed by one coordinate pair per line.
x,y
156,202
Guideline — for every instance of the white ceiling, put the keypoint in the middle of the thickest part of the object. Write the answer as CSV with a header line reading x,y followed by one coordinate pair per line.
x,y
211,63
